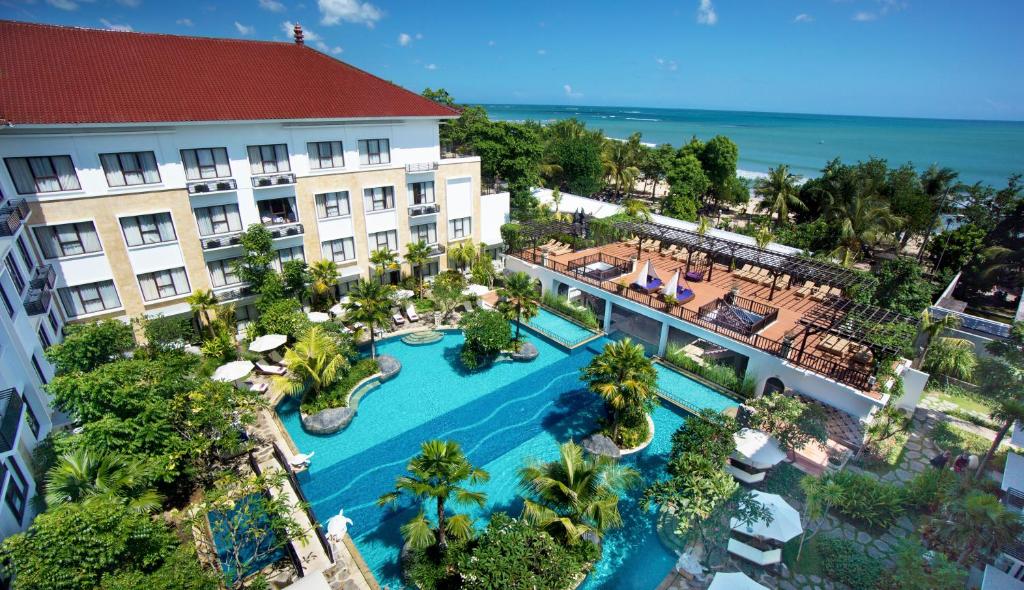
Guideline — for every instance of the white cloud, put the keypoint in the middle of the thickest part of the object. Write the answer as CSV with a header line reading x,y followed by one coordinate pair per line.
x,y
886,7
803,18
349,11
431,66
667,64
114,27
272,5
327,48
244,30
542,52
404,39
864,17
185,22
289,32
63,4
569,92
706,14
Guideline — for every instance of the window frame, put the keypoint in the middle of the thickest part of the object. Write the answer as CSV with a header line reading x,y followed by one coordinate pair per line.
x,y
20,283
275,158
224,264
27,161
375,239
412,193
199,165
140,170
348,245
75,291
143,233
61,245
317,145
162,280
11,310
414,232
214,221
18,500
278,263
23,250
381,151
387,194
321,201
462,225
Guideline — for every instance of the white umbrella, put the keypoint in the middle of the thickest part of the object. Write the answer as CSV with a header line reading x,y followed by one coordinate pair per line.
x,y
318,317
475,290
337,525
734,581
758,449
785,519
232,371
402,294
268,342
670,287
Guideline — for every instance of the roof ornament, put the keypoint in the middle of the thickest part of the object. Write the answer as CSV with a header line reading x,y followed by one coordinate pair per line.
x,y
298,35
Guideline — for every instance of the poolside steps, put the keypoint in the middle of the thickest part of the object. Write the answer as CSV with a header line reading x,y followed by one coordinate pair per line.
x,y
422,337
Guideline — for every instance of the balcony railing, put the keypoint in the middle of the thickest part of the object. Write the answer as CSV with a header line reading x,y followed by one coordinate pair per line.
x,y
212,186
731,314
436,250
12,406
449,151
1014,498
285,230
421,167
267,180
856,377
37,301
43,276
232,293
221,241
12,215
424,209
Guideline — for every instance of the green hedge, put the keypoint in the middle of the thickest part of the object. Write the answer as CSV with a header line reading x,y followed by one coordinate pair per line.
x,y
844,561
581,314
722,375
867,500
337,395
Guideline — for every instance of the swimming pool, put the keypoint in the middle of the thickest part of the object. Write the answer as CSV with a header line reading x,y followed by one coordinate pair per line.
x,y
689,393
558,328
222,522
501,416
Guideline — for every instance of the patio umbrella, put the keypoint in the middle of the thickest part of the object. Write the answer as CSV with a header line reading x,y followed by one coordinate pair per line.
x,y
337,525
758,449
734,581
785,519
232,371
402,294
476,290
318,317
267,343
673,283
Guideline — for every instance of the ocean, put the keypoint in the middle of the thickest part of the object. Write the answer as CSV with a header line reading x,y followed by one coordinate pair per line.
x,y
985,151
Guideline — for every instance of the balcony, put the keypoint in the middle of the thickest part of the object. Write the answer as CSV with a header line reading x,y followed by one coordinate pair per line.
x,y
12,406
43,275
420,167
449,151
270,180
424,209
232,293
37,299
436,250
221,241
212,186
12,215
285,230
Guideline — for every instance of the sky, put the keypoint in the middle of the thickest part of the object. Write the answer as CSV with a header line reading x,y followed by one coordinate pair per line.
x,y
904,58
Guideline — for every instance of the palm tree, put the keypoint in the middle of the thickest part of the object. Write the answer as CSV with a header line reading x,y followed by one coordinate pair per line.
x,y
624,378
438,473
463,254
976,523
370,303
417,254
314,362
930,327
636,209
82,476
937,184
575,495
952,357
619,161
202,301
821,494
779,192
1008,411
323,276
520,295
863,220
384,259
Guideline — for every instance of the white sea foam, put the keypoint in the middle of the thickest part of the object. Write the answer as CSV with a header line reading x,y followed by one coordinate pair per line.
x,y
642,119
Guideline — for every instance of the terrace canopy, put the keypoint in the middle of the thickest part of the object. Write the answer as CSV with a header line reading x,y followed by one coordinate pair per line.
x,y
758,449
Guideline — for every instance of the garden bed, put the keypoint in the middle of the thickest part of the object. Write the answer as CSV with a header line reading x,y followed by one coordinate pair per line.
x,y
337,396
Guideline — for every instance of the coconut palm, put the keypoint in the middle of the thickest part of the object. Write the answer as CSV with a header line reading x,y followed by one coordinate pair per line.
x,y
863,220
463,254
952,357
1006,412
521,299
636,209
931,327
439,473
974,525
383,260
82,476
314,364
620,160
821,494
779,193
370,303
323,275
417,254
937,184
202,301
575,495
625,378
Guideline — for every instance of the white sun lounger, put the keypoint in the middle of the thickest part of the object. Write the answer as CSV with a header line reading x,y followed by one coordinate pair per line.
x,y
398,319
266,369
410,312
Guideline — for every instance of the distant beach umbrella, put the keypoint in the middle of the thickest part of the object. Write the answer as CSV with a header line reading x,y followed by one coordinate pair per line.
x,y
475,290
268,342
232,371
402,294
318,317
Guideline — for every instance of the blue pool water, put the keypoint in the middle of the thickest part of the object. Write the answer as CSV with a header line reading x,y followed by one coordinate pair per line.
x,y
688,392
559,328
501,416
220,522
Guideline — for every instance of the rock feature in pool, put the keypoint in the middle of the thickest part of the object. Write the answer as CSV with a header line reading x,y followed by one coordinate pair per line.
x,y
328,421
389,366
600,444
526,353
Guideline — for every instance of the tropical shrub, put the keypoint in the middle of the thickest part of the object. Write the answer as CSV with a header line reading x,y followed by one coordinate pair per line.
x,y
929,490
315,362
283,316
220,348
845,562
867,500
582,315
487,333
87,346
914,571
181,570
163,332
447,291
337,395
793,422
716,373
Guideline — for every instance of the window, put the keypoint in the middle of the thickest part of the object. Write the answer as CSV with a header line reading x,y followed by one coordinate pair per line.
x,y
68,239
44,339
222,272
332,205
288,254
23,250
384,240
148,229
52,317
31,420
268,159
425,232
345,287
38,369
380,198
460,228
325,154
218,219
203,163
163,283
130,168
277,211
430,269
422,192
16,276
340,250
7,301
374,151
43,174
17,491
91,298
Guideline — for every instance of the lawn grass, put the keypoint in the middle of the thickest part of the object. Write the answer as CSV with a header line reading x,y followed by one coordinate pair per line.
x,y
956,439
966,400
889,458
810,558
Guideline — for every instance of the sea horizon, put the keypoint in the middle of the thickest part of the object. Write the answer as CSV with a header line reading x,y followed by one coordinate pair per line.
x,y
985,151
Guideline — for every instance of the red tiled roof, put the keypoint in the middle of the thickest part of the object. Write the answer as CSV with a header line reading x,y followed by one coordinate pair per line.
x,y
54,75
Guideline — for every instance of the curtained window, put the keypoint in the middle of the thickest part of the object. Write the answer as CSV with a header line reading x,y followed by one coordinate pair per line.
x,y
68,239
222,272
374,151
218,219
422,192
460,228
380,198
384,240
204,163
130,168
286,255
148,229
163,283
325,154
43,174
332,205
424,232
91,298
15,272
340,250
268,159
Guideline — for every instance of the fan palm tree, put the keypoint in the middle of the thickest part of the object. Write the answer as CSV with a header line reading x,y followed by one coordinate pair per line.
x,y
624,377
952,357
370,303
417,254
439,473
779,192
314,362
521,300
384,259
976,524
463,254
323,276
931,327
202,301
83,476
575,495
863,220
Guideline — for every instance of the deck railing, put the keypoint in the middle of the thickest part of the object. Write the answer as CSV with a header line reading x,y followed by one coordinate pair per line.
x,y
856,377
